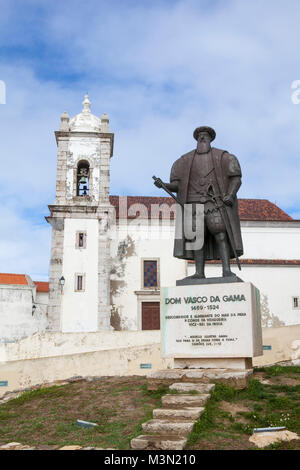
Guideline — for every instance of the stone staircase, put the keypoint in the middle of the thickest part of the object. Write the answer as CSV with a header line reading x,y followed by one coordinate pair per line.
x,y
171,424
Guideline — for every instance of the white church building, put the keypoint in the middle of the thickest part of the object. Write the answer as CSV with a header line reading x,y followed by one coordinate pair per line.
x,y
110,255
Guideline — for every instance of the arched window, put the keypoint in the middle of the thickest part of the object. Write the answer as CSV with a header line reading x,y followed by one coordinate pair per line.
x,y
83,176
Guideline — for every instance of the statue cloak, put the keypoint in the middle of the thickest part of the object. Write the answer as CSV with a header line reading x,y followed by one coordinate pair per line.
x,y
226,166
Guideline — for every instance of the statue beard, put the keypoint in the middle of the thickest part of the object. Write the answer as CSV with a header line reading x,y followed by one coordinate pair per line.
x,y
203,147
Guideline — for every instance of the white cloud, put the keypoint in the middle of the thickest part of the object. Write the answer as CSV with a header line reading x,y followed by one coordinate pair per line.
x,y
24,245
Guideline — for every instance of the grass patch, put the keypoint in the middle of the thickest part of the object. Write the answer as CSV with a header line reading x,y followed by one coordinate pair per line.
x,y
120,405
268,405
48,416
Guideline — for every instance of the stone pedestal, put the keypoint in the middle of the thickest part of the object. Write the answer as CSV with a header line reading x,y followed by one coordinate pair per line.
x,y
214,363
211,326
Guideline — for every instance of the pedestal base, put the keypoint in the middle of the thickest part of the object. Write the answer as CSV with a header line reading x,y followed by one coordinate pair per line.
x,y
191,281
236,363
164,378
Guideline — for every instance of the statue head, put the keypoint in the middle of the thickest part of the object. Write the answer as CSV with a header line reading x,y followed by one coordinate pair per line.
x,y
204,129
204,136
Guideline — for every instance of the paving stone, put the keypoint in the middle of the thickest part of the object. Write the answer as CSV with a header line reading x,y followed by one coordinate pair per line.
x,y
263,439
185,400
188,387
10,396
47,447
187,413
167,374
76,378
236,378
158,442
163,426
10,445
71,448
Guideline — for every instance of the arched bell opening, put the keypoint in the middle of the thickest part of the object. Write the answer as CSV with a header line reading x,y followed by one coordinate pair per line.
x,y
83,178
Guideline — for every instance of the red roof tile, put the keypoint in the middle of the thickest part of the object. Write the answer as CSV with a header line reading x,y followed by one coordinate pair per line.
x,y
13,279
248,261
249,209
42,286
261,209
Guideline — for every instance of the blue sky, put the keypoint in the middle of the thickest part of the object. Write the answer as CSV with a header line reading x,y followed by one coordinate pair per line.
x,y
158,69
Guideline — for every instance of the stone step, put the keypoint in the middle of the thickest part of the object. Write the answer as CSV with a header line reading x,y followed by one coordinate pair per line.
x,y
171,427
186,413
188,387
237,378
162,442
181,400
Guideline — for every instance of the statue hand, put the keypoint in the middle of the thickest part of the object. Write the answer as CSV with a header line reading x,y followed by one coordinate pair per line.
x,y
158,183
228,200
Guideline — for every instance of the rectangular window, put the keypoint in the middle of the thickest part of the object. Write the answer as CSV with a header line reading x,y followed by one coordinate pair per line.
x,y
80,240
150,273
296,302
79,282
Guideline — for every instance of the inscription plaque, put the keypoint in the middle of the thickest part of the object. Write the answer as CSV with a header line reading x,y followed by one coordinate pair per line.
x,y
211,321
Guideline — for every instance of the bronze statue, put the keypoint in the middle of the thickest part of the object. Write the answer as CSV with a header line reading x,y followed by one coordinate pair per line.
x,y
210,177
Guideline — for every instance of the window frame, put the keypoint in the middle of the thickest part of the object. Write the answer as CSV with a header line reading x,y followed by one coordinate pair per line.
x,y
296,297
78,232
157,273
77,275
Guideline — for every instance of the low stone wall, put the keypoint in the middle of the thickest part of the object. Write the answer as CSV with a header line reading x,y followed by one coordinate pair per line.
x,y
284,344
42,345
48,357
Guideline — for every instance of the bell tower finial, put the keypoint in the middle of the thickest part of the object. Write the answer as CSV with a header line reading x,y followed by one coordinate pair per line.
x,y
86,104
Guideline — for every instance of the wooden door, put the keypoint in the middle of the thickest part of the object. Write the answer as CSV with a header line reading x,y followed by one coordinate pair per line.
x,y
150,315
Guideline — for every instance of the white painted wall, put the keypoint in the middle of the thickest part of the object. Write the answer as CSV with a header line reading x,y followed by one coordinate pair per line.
x,y
80,309
16,319
262,240
271,240
279,283
41,302
48,357
149,243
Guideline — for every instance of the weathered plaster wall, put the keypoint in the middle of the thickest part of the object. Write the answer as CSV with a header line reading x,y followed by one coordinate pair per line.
x,y
285,343
63,344
41,301
133,244
17,319
56,356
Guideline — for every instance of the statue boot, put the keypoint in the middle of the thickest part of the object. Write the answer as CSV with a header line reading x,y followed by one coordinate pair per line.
x,y
222,241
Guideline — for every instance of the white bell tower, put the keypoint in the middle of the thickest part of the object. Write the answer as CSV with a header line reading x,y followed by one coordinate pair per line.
x,y
79,299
